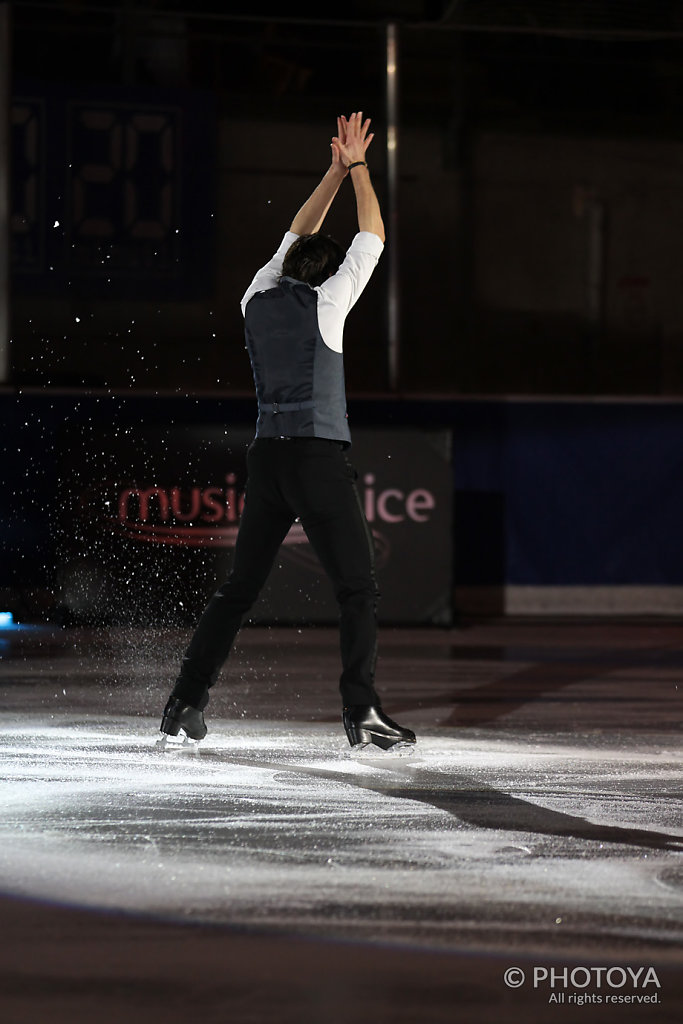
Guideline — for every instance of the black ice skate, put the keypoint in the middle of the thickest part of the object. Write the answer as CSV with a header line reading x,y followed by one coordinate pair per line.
x,y
182,725
366,725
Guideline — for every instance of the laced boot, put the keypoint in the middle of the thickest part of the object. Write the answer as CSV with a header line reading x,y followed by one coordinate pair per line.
x,y
181,716
367,723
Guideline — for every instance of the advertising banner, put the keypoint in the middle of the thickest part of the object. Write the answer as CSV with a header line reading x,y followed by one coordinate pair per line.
x,y
149,518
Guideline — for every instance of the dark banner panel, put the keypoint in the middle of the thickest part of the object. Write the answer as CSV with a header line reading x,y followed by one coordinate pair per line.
x,y
149,517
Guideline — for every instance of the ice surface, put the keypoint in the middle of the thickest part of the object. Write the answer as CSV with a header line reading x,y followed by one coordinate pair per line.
x,y
271,822
540,810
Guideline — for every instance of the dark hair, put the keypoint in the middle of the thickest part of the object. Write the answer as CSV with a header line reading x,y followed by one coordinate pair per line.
x,y
313,258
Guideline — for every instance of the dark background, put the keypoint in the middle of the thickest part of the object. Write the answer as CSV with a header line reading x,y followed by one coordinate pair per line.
x,y
539,196
160,150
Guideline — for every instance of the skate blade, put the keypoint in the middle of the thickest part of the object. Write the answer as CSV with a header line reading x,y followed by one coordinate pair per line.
x,y
371,752
179,744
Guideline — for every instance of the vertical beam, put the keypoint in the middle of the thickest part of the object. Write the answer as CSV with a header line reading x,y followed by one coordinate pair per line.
x,y
589,206
5,51
595,263
393,307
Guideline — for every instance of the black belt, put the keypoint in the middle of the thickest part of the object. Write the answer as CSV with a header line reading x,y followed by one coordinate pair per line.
x,y
304,439
276,407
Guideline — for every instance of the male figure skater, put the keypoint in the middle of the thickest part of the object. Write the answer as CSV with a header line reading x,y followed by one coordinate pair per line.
x,y
294,313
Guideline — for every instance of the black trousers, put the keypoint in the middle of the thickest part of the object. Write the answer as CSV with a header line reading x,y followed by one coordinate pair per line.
x,y
312,480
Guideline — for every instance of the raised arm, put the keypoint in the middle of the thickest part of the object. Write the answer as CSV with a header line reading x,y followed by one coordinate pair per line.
x,y
310,217
352,142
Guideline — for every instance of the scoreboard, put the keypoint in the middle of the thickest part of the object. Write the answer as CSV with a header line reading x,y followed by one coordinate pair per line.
x,y
112,191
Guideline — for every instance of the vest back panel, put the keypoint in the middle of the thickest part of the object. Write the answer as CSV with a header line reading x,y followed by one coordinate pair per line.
x,y
299,380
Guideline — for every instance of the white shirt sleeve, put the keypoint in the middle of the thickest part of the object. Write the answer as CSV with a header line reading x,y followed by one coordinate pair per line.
x,y
337,295
268,276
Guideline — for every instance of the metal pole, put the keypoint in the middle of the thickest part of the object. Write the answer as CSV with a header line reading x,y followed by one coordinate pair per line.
x,y
5,50
595,262
393,310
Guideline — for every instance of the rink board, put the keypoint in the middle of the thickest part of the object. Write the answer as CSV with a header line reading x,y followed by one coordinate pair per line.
x,y
149,518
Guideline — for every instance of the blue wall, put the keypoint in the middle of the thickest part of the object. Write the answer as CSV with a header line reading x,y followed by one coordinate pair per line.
x,y
557,493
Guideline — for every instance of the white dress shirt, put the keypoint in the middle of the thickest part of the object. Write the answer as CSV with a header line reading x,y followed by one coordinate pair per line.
x,y
338,294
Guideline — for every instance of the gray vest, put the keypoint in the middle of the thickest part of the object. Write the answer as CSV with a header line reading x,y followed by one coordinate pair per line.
x,y
299,380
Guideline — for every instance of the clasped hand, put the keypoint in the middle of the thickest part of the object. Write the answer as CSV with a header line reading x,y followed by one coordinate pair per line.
x,y
351,142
